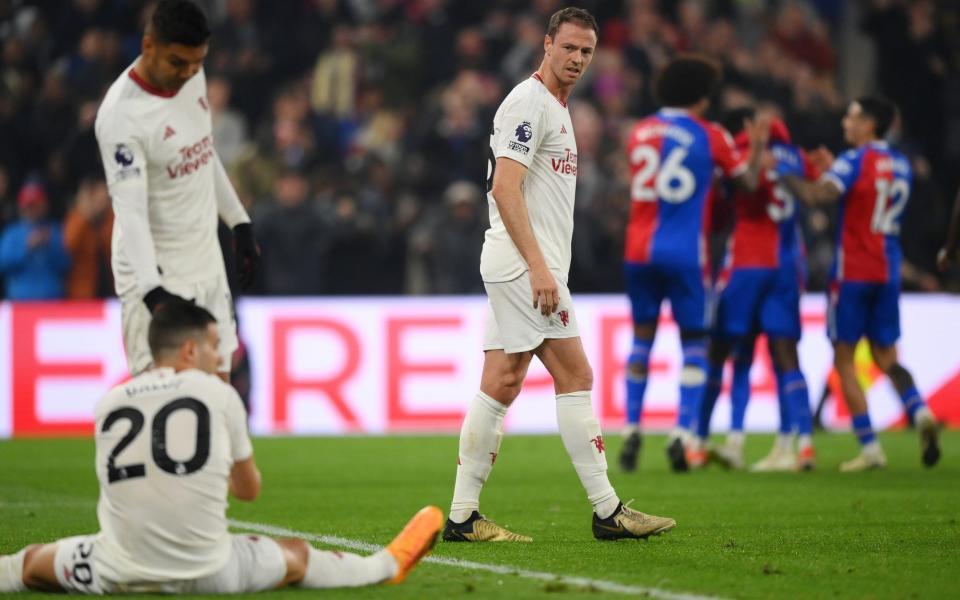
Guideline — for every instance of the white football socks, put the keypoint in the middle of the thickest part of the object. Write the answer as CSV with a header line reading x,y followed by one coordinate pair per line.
x,y
11,572
785,442
583,440
342,569
480,438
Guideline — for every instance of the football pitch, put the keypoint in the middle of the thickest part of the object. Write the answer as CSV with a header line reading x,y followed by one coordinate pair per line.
x,y
889,534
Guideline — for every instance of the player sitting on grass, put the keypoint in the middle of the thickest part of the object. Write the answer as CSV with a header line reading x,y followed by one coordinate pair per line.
x,y
872,184
169,445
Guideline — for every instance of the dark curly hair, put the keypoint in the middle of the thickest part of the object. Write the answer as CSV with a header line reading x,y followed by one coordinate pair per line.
x,y
686,80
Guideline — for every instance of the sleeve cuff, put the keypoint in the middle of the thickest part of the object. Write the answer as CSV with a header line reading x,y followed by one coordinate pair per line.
x,y
524,159
831,178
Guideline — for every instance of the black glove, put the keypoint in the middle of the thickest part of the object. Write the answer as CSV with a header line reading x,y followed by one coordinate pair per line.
x,y
158,296
248,254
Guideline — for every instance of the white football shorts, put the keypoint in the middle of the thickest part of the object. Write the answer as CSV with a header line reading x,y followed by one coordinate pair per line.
x,y
213,295
514,325
256,564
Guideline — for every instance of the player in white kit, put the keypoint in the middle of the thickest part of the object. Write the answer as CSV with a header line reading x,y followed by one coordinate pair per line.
x,y
168,185
170,443
532,177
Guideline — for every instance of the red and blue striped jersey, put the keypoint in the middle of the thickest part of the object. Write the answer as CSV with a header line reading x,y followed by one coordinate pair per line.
x,y
673,156
874,181
765,231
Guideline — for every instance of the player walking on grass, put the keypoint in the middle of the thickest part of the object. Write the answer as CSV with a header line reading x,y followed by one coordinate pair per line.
x,y
170,443
168,185
524,264
872,183
673,155
761,284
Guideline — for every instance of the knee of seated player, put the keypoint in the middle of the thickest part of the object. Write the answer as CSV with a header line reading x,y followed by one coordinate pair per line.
x,y
38,567
296,554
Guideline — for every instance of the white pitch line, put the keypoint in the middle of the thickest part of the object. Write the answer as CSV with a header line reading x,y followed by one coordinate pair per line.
x,y
46,504
580,582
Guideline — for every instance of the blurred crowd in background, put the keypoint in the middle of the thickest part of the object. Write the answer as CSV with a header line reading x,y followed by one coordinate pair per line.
x,y
356,131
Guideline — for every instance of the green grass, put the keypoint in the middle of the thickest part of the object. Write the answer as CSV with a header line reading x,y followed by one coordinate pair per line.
x,y
891,534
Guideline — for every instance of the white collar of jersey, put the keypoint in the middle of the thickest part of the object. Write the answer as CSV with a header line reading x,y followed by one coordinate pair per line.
x,y
879,144
674,112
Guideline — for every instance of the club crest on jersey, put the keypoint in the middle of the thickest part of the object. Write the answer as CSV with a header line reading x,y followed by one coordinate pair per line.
x,y
123,155
524,131
598,442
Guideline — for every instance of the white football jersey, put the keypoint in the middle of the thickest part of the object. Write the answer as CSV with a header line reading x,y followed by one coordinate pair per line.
x,y
165,444
164,142
533,127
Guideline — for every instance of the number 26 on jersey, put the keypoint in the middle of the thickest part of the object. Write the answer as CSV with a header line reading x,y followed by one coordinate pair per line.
x,y
669,180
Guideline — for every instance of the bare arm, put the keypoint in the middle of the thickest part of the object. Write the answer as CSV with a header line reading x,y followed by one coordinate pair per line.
x,y
811,192
245,480
949,250
508,193
759,133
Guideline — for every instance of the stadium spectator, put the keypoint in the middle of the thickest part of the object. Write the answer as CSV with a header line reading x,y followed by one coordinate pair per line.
x,y
354,248
86,236
451,237
229,125
239,53
408,82
803,37
333,94
78,157
292,239
8,205
912,66
33,260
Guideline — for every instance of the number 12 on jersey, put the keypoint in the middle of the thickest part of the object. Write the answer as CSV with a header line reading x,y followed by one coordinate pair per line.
x,y
670,180
886,213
